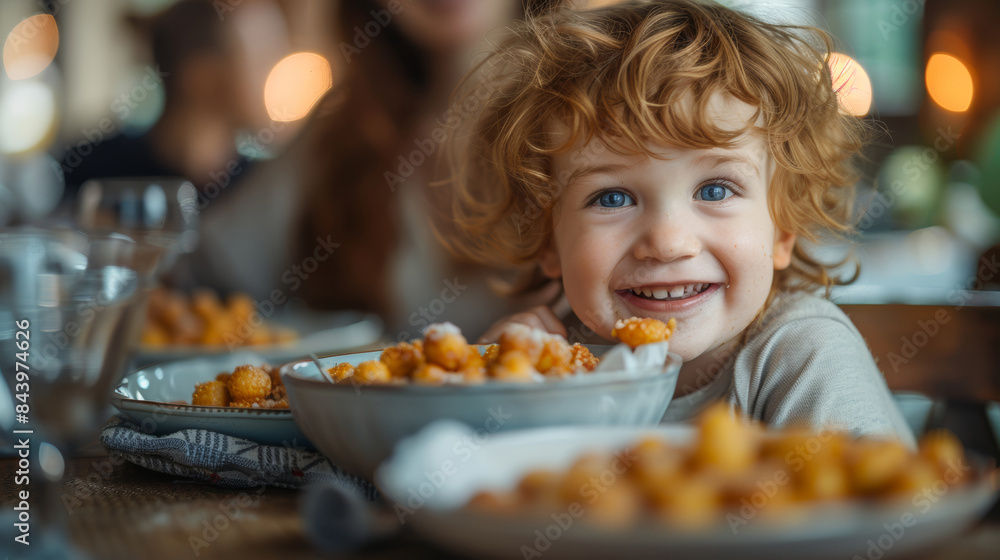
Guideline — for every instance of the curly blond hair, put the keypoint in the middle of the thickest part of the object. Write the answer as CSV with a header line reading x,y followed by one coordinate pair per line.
x,y
643,72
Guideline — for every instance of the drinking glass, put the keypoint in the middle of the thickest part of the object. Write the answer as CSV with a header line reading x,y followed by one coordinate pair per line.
x,y
64,302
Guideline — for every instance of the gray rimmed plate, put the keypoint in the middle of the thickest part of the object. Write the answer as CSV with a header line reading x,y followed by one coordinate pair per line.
x,y
320,333
155,398
428,481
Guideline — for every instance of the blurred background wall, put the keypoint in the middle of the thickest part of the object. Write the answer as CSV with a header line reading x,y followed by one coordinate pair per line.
x,y
77,73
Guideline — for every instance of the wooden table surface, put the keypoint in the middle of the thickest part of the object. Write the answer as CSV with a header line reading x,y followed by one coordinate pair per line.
x,y
119,510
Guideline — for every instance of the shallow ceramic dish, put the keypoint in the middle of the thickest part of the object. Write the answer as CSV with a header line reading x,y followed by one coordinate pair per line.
x,y
357,427
152,398
415,483
319,333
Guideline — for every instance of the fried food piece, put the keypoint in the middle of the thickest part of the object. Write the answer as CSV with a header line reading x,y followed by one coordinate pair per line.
x,y
260,336
283,335
687,501
220,331
445,346
249,383
473,359
555,357
206,304
823,478
241,308
540,486
245,404
270,403
577,480
473,375
429,374
341,371
514,366
210,393
402,359
275,375
873,464
946,453
917,477
493,502
154,335
372,371
725,442
582,358
223,377
523,338
618,507
637,331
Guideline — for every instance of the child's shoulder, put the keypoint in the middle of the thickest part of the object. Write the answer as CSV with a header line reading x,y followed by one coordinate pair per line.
x,y
804,312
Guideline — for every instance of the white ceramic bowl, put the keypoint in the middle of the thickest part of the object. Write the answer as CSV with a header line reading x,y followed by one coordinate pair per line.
x,y
357,427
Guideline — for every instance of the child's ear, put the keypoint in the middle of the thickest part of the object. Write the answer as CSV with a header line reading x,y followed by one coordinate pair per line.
x,y
551,267
782,253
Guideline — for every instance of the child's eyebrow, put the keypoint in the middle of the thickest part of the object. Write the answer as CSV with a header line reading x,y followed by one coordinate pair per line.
x,y
585,170
714,160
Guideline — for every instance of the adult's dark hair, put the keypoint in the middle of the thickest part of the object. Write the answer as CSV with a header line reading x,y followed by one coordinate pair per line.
x,y
360,130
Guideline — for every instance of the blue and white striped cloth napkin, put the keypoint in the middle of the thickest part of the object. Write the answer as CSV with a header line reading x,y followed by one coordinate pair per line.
x,y
225,460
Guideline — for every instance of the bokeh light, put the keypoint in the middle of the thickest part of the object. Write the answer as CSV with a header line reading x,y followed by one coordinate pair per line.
x,y
295,84
30,47
851,82
28,114
949,82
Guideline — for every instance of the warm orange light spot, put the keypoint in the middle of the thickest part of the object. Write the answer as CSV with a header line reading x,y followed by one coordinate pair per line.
x,y
851,82
295,84
949,82
30,46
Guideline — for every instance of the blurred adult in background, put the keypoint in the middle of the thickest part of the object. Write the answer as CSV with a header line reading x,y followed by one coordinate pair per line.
x,y
343,219
196,55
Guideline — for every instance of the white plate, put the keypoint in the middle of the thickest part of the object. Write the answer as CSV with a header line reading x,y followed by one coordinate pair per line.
x,y
145,398
413,480
358,426
319,333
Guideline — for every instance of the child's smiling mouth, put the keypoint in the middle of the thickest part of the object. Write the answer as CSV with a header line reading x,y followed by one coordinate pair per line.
x,y
668,297
669,293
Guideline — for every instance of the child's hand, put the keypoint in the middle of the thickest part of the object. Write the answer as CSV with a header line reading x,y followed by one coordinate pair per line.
x,y
538,317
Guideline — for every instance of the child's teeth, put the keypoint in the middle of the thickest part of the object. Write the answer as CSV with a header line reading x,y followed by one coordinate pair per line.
x,y
671,292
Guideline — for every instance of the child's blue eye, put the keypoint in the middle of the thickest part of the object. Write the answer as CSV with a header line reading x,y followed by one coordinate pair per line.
x,y
713,193
614,199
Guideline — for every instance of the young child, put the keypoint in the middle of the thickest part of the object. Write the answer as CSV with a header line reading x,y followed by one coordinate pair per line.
x,y
666,160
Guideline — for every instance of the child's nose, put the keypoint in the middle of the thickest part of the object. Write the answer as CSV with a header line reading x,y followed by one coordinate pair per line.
x,y
666,239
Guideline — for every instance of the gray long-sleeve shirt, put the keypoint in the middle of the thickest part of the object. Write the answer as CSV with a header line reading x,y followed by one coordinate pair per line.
x,y
805,363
